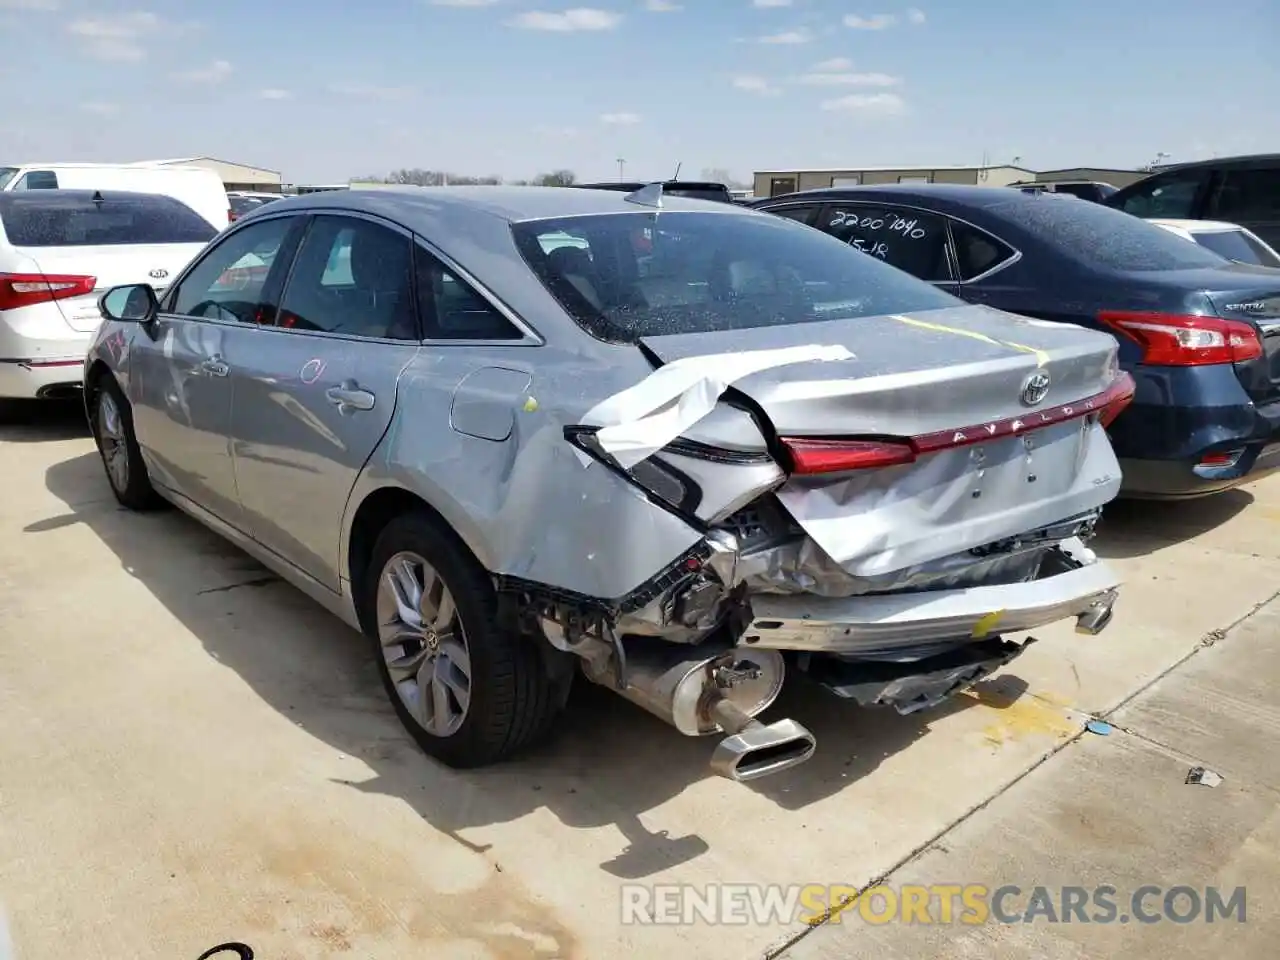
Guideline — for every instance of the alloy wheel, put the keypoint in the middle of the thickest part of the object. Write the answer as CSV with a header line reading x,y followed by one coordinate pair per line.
x,y
423,644
111,441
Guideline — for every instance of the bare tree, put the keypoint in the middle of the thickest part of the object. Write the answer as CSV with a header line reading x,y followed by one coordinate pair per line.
x,y
721,175
556,178
418,177
435,178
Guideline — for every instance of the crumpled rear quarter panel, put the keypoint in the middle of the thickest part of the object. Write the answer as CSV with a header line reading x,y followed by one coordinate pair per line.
x,y
528,506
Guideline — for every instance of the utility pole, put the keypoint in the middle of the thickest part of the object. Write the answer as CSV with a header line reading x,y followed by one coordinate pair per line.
x,y
622,166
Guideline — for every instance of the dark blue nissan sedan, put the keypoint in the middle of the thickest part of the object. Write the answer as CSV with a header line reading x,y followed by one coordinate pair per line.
x,y
1199,333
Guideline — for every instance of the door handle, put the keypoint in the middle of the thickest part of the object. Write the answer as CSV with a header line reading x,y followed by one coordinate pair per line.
x,y
215,366
349,396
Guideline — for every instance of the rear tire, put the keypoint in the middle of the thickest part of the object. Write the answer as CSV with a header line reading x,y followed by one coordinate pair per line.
x,y
470,692
111,419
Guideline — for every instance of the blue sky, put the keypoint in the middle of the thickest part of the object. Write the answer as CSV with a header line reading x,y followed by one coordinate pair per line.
x,y
328,90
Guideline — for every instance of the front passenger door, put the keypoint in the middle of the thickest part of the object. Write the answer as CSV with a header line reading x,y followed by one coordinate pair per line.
x,y
314,401
911,240
180,366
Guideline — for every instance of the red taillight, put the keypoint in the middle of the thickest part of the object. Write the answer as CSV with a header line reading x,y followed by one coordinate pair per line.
x,y
818,455
1174,340
27,289
836,456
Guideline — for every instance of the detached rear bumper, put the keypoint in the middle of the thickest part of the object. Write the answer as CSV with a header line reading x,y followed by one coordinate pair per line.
x,y
871,625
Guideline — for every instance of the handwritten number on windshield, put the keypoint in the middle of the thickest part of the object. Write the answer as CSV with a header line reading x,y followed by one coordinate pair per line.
x,y
903,226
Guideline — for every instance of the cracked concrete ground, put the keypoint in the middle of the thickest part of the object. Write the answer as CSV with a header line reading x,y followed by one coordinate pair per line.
x,y
192,752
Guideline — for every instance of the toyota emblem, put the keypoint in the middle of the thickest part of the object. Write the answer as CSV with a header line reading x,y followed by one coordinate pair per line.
x,y
158,274
1035,388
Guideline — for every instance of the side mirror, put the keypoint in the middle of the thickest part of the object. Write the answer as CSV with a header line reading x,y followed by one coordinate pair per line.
x,y
131,303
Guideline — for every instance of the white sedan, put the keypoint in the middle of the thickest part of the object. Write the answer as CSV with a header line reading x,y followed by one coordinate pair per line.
x,y
1229,240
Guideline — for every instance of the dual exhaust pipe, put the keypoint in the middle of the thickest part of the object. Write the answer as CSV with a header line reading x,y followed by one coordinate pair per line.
x,y
702,692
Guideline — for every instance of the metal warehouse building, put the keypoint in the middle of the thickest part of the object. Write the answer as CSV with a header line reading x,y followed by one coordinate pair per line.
x,y
235,176
771,183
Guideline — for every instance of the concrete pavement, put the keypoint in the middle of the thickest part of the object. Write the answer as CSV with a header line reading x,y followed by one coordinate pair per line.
x,y
192,752
1116,810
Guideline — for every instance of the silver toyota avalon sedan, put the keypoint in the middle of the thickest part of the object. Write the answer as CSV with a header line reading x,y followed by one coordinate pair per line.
x,y
515,435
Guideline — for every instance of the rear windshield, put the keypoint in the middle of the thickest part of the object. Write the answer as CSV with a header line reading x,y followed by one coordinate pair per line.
x,y
1102,236
7,174
624,276
1237,245
41,220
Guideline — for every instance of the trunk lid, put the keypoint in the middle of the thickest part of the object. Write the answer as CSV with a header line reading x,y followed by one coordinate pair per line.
x,y
910,374
112,265
1236,291
1257,304
1009,460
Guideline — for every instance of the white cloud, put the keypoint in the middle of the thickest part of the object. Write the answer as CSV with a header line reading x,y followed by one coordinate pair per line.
x,y
834,65
216,72
867,103
620,119
828,79
753,84
119,38
770,3
879,21
915,16
661,6
101,109
462,3
272,93
803,35
569,21
368,91
30,5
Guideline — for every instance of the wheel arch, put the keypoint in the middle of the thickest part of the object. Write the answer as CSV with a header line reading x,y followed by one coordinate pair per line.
x,y
377,507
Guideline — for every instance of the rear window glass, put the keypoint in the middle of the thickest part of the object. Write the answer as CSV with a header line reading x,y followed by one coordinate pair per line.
x,y
61,221
1102,236
1237,245
630,275
7,174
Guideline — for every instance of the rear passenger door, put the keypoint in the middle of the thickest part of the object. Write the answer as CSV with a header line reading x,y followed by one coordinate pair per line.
x,y
1249,197
909,239
313,402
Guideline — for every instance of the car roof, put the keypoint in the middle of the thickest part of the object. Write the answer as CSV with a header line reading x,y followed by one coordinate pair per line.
x,y
508,203
1247,159
955,194
27,196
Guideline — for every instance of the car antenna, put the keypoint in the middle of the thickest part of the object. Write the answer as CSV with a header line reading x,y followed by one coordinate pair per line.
x,y
676,176
649,195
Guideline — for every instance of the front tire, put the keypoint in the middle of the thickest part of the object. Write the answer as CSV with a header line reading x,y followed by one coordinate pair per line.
x,y
112,421
470,692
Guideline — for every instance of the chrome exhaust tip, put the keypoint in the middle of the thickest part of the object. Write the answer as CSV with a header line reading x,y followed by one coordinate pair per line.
x,y
1093,621
759,750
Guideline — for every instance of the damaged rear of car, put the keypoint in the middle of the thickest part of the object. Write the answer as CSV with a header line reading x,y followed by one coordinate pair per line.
x,y
884,480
